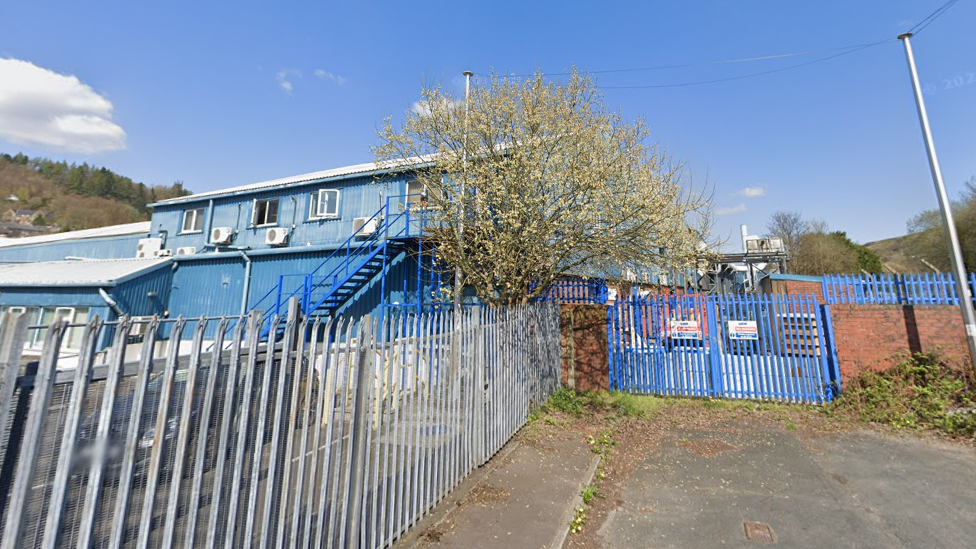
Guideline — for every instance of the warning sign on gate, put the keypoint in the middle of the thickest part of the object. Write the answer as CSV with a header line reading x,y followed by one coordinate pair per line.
x,y
684,329
743,329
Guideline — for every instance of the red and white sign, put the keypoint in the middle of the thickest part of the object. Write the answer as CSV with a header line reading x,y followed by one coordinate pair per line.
x,y
743,329
684,329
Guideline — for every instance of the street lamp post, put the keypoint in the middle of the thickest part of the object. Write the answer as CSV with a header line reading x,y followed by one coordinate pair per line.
x,y
955,252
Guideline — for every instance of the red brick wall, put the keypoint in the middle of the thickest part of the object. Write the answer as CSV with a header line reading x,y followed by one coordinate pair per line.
x,y
879,336
798,287
584,347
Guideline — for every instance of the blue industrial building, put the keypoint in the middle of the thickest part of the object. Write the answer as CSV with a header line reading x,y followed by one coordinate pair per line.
x,y
79,290
346,240
343,241
115,242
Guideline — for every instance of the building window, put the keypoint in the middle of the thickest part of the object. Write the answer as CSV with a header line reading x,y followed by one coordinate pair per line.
x,y
324,204
193,221
45,316
265,212
417,195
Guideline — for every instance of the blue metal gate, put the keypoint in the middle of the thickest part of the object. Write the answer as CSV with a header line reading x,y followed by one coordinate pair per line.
x,y
771,347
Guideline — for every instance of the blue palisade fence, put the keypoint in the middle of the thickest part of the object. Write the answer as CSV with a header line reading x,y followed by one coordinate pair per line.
x,y
908,289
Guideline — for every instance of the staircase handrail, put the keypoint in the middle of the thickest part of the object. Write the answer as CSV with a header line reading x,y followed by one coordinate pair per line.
x,y
384,222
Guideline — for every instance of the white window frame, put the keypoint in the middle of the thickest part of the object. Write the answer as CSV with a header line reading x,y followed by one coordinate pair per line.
x,y
254,212
422,202
16,309
197,219
315,204
69,316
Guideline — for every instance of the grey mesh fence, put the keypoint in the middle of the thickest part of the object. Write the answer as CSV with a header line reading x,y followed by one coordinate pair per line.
x,y
200,433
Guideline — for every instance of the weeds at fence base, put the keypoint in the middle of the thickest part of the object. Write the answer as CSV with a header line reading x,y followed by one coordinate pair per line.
x,y
923,392
579,520
589,492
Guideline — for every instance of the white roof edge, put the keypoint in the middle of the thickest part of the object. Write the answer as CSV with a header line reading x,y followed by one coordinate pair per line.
x,y
141,227
94,272
355,169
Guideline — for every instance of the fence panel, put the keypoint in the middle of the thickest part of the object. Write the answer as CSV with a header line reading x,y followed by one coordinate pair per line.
x,y
346,432
761,347
889,289
577,290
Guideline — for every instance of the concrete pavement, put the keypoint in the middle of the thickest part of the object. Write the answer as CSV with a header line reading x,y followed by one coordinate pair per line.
x,y
524,497
851,489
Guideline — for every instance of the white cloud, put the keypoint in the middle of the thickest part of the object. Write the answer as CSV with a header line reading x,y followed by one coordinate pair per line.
x,y
751,192
326,75
285,77
41,107
728,210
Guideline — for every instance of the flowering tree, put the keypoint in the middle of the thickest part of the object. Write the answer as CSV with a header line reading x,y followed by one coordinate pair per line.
x,y
536,180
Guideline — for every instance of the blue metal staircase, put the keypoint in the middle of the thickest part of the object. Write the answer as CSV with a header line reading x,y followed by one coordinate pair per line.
x,y
361,258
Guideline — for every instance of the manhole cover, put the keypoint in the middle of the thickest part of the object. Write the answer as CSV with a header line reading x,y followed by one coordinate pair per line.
x,y
758,531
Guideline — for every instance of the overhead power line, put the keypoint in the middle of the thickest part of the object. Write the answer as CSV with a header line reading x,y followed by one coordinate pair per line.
x,y
844,50
750,75
932,17
700,63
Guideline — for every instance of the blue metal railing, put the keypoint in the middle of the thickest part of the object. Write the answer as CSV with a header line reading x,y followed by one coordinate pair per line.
x,y
394,220
910,289
576,290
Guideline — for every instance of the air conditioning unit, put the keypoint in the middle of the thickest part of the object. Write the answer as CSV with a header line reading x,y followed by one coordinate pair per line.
x,y
221,235
149,247
364,226
186,250
164,253
276,236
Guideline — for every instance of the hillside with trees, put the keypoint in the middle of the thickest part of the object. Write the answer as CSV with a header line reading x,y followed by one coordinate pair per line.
x,y
929,241
67,197
816,250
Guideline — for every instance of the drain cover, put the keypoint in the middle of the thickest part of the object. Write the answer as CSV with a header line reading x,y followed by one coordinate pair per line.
x,y
758,531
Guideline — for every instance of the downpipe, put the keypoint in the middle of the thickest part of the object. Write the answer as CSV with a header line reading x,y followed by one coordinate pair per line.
x,y
247,281
112,304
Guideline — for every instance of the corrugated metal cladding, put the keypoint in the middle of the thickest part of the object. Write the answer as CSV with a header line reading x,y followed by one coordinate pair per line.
x,y
145,295
211,287
50,297
111,247
358,197
214,286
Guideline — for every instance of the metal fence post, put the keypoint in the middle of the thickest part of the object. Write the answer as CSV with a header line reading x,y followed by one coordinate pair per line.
x,y
79,391
361,423
715,341
13,335
831,351
40,400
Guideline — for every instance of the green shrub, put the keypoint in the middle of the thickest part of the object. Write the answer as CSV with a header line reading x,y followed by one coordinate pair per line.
x,y
921,392
567,401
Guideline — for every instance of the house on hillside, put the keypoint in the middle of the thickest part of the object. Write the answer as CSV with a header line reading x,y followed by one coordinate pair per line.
x,y
22,216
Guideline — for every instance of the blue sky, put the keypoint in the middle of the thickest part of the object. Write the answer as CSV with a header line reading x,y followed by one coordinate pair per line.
x,y
224,94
